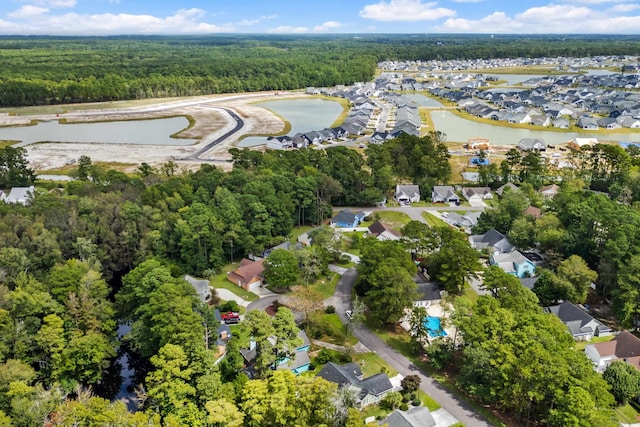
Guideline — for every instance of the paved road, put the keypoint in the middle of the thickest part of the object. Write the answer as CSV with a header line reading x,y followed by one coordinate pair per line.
x,y
209,146
452,404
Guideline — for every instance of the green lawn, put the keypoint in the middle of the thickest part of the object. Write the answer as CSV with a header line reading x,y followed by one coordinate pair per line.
x,y
326,287
220,281
580,345
433,220
298,231
627,414
470,293
395,220
372,364
333,329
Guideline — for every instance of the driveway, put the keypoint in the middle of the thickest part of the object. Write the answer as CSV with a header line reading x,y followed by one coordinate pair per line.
x,y
227,295
452,406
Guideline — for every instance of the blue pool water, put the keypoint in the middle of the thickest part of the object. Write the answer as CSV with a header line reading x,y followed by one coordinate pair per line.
x,y
434,329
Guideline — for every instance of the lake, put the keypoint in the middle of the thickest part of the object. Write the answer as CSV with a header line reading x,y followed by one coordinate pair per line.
x,y
461,130
304,115
152,132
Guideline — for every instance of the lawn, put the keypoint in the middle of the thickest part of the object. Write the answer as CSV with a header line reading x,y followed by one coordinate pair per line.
x,y
470,293
220,281
333,331
433,220
298,231
627,414
395,220
326,287
372,364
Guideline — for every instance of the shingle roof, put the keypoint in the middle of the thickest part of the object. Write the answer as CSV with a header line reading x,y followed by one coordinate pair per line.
x,y
414,417
341,375
578,321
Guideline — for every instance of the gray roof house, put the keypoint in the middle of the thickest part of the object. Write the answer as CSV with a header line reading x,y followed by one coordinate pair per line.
x,y
20,195
491,239
444,193
407,193
201,287
581,324
367,391
528,144
465,221
415,417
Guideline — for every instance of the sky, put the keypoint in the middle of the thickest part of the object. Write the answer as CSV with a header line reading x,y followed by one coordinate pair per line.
x,y
203,17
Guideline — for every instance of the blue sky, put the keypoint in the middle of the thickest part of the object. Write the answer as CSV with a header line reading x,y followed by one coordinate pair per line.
x,y
112,17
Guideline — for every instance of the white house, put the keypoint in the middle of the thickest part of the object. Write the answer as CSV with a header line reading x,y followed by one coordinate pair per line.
x,y
407,193
625,347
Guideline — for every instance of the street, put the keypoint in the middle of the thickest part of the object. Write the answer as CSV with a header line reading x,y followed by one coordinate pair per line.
x,y
451,403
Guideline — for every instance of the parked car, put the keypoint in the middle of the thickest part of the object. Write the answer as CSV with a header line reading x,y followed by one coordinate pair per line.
x,y
230,317
348,313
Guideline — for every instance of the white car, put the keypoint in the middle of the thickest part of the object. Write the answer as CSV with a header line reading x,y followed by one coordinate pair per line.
x,y
348,313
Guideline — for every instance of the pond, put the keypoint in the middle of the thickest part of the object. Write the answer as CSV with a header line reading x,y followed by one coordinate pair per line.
x,y
152,132
422,100
304,115
458,129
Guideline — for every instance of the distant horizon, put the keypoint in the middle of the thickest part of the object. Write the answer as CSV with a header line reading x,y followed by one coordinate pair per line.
x,y
104,18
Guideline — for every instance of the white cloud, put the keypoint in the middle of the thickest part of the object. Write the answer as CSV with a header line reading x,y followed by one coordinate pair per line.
x,y
28,11
327,26
53,4
250,22
467,1
285,29
405,10
595,1
623,8
550,19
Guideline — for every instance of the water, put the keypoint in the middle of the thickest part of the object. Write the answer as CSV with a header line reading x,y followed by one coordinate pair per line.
x,y
304,115
434,327
152,132
458,129
127,373
422,100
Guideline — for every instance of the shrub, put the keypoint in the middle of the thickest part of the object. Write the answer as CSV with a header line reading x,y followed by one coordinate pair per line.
x,y
324,356
404,407
229,306
416,402
330,309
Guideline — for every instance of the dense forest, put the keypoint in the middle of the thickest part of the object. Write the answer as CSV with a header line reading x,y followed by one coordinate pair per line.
x,y
58,70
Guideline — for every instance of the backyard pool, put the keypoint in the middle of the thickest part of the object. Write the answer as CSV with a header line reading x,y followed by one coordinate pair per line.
x,y
434,329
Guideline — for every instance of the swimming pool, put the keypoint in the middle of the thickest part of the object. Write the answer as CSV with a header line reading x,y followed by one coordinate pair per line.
x,y
434,328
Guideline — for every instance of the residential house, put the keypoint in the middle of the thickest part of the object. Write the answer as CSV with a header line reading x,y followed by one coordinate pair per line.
x,y
248,275
201,287
624,347
223,336
549,191
444,194
578,143
367,391
380,137
466,221
529,144
279,143
299,364
418,416
347,219
581,324
513,263
428,292
477,194
533,212
20,195
561,123
405,194
382,231
500,190
493,240
284,245
609,123
588,123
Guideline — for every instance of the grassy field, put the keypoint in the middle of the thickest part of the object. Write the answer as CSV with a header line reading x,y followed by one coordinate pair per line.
x,y
326,287
220,281
395,220
433,221
6,143
372,364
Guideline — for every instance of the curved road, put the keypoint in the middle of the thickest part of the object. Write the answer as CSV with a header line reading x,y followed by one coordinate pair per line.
x,y
451,403
209,146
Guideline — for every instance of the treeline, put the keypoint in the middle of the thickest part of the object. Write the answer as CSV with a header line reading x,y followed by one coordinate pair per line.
x,y
57,70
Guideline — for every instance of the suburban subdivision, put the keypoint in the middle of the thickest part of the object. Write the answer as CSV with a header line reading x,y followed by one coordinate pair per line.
x,y
441,242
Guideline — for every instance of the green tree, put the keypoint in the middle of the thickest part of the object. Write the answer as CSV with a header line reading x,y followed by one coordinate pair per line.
x,y
14,168
624,380
576,272
222,413
454,264
281,268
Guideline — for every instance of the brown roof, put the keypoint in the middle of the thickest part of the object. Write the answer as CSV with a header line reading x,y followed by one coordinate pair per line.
x,y
533,211
380,227
624,346
248,270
